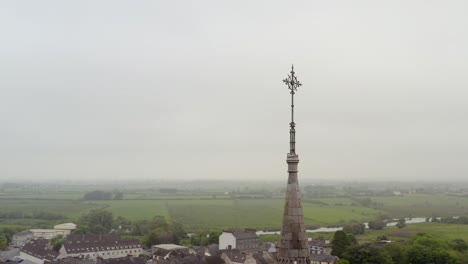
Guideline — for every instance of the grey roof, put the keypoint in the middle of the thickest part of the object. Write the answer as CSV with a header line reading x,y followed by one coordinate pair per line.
x,y
38,249
24,233
235,255
323,258
184,260
245,234
72,260
93,243
124,260
319,243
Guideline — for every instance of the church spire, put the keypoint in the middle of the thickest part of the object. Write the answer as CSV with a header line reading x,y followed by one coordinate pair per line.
x,y
293,247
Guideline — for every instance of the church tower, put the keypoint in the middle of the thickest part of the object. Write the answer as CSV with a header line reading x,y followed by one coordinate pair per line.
x,y
293,247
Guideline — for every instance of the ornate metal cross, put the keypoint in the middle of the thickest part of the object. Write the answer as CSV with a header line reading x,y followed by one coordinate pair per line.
x,y
292,84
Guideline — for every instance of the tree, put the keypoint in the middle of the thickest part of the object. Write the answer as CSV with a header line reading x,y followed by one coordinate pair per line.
x,y
98,195
458,245
118,195
355,228
343,261
396,252
340,243
3,242
98,221
377,224
57,242
401,223
367,255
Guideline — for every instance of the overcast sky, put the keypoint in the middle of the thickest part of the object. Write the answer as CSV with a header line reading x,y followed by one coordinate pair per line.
x,y
193,89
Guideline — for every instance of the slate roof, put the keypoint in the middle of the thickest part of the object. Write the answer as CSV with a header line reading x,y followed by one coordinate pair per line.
x,y
245,234
184,260
38,248
235,255
72,260
319,243
323,258
94,243
124,260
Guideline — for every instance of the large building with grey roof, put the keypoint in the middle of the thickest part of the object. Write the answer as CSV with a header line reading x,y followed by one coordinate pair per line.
x,y
104,246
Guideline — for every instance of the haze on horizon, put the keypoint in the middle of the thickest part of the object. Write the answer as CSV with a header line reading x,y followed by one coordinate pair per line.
x,y
193,89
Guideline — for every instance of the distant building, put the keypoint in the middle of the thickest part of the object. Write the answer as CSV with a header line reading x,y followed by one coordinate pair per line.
x,y
105,246
124,260
62,229
71,260
65,226
49,233
319,247
168,251
37,251
323,259
21,238
242,240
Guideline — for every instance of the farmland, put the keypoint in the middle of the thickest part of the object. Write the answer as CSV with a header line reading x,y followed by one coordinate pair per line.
x,y
215,207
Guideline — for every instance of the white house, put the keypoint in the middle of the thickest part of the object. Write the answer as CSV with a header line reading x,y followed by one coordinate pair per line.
x,y
243,240
48,233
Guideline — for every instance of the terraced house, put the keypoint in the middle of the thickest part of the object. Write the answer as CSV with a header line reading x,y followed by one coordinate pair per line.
x,y
105,246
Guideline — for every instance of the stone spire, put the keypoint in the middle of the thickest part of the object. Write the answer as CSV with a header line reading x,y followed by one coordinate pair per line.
x,y
293,247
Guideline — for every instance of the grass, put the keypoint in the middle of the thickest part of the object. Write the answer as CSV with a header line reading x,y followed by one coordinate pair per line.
x,y
438,230
135,209
261,214
423,205
70,208
198,212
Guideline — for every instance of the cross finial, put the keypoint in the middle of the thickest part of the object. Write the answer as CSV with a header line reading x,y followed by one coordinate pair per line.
x,y
292,81
292,84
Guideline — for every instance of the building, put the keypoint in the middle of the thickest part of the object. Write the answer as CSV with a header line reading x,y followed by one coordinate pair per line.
x,y
318,247
49,233
21,238
242,240
293,247
99,246
59,230
167,251
124,260
37,251
65,226
323,259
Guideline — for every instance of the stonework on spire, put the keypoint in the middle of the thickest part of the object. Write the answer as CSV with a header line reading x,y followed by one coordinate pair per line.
x,y
293,247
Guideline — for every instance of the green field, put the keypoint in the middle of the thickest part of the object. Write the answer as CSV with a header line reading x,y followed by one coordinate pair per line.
x,y
135,209
199,212
423,205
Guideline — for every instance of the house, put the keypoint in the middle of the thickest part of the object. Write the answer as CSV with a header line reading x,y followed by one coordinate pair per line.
x,y
59,230
72,260
318,247
104,246
21,238
238,257
323,259
37,251
49,233
167,249
124,260
65,226
242,240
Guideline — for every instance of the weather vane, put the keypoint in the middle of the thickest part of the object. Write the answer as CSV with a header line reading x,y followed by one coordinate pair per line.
x,y
292,84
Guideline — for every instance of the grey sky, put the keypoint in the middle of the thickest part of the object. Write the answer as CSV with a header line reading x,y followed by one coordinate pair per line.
x,y
192,89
